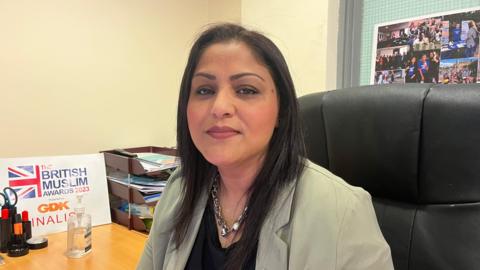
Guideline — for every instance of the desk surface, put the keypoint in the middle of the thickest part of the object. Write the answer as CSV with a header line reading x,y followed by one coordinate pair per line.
x,y
113,247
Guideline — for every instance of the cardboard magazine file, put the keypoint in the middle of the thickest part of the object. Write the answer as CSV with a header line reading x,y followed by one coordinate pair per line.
x,y
123,161
126,219
131,195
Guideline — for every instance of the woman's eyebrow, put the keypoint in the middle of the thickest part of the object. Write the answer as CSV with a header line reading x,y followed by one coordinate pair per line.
x,y
240,75
205,75
232,78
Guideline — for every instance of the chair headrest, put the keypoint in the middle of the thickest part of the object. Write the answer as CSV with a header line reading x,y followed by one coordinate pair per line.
x,y
413,142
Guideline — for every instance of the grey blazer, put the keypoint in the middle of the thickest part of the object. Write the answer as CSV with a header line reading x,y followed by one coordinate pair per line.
x,y
318,222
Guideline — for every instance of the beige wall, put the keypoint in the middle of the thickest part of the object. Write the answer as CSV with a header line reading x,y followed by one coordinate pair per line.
x,y
81,76
306,33
225,11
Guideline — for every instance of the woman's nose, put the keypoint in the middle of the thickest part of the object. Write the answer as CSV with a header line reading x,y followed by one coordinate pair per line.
x,y
223,105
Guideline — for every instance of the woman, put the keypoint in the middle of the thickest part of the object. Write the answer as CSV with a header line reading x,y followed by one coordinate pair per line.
x,y
424,69
435,70
471,41
245,197
412,71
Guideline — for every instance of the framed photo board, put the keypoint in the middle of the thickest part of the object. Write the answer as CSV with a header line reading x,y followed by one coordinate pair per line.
x,y
438,48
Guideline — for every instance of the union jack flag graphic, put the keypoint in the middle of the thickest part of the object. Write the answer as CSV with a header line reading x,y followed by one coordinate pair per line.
x,y
25,180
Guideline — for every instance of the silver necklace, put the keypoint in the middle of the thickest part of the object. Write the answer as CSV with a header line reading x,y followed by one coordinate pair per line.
x,y
218,213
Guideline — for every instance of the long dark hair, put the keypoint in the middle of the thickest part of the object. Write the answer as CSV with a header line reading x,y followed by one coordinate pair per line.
x,y
284,160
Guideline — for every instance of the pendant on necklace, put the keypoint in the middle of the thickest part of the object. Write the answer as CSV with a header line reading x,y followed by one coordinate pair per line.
x,y
224,232
235,226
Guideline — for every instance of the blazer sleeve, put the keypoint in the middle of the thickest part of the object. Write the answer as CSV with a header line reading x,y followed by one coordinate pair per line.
x,y
361,245
146,260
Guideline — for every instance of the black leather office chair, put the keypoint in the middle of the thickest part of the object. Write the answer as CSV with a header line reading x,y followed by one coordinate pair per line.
x,y
416,149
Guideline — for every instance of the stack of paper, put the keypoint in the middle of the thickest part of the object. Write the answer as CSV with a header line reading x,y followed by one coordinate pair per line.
x,y
152,162
142,184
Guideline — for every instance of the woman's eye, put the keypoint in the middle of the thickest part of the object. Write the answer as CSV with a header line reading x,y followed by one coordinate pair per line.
x,y
204,91
247,91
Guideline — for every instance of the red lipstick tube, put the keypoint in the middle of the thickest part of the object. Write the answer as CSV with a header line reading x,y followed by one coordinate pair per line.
x,y
27,225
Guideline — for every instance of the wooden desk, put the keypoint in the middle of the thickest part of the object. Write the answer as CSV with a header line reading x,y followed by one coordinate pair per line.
x,y
113,247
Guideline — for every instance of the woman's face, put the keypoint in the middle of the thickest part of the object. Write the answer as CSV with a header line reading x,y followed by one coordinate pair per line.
x,y
233,106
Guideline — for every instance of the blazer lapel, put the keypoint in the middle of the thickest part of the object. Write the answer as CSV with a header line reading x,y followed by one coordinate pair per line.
x,y
177,258
272,250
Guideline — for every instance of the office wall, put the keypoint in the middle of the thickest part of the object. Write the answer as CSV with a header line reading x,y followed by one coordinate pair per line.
x,y
306,33
380,11
225,11
81,76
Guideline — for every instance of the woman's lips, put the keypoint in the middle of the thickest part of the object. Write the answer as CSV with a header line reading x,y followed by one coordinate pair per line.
x,y
222,132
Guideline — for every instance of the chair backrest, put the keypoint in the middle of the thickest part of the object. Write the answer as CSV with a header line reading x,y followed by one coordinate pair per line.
x,y
416,149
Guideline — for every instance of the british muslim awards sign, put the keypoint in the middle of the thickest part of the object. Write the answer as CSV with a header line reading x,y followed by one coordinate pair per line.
x,y
47,188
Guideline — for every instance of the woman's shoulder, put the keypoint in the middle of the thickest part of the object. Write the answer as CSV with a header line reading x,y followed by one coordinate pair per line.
x,y
318,186
334,216
316,176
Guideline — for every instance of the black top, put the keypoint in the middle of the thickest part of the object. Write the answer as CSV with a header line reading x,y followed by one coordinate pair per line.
x,y
207,252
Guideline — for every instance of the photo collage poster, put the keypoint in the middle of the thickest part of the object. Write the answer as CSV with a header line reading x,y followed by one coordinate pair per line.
x,y
441,49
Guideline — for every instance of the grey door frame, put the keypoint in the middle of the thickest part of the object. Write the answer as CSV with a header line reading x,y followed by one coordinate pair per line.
x,y
349,43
